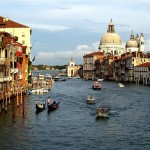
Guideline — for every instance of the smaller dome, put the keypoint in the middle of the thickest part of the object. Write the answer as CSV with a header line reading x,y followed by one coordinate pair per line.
x,y
132,43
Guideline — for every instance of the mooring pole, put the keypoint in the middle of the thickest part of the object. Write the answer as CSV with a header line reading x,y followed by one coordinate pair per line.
x,y
6,105
23,102
13,106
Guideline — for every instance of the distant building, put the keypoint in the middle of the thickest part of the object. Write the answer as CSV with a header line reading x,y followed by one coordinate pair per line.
x,y
135,44
72,70
34,68
89,64
47,68
142,73
112,64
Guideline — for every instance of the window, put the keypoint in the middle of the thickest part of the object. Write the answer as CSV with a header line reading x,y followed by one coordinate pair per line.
x,y
23,42
23,34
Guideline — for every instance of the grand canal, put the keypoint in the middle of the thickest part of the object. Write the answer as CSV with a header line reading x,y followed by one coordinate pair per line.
x,y
73,126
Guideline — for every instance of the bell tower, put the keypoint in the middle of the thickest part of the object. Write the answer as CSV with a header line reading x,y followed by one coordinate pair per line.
x,y
71,62
141,43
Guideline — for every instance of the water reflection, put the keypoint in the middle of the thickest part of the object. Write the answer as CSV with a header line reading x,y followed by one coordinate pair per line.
x,y
74,124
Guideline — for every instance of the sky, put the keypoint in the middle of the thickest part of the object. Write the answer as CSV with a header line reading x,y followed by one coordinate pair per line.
x,y
62,29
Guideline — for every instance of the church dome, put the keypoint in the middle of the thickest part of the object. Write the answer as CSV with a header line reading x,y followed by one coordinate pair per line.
x,y
132,43
110,38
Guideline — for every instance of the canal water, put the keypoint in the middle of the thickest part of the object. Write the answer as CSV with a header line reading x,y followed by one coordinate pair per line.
x,y
74,126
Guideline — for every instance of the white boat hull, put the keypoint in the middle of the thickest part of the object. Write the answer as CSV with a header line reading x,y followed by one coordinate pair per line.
x,y
100,80
120,85
102,115
38,91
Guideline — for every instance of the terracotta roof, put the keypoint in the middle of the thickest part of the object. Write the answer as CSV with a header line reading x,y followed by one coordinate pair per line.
x,y
7,23
147,64
93,54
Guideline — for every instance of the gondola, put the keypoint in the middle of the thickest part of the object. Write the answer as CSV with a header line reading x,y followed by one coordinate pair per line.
x,y
40,107
53,106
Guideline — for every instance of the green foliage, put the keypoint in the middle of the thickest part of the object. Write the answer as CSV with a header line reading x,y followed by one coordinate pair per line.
x,y
43,67
59,67
29,79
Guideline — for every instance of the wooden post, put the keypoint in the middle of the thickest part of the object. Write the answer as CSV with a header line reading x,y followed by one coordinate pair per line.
x,y
17,99
6,105
0,107
13,96
23,103
9,99
3,103
21,95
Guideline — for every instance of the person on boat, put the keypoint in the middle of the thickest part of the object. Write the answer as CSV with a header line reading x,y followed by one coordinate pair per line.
x,y
48,101
54,102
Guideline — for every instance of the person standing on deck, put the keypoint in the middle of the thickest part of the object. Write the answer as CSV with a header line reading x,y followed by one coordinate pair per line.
x,y
48,101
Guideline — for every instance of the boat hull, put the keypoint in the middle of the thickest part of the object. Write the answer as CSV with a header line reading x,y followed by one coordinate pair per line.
x,y
40,107
90,101
102,115
52,107
96,86
102,112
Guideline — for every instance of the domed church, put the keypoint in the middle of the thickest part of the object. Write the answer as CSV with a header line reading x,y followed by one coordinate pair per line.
x,y
135,44
111,42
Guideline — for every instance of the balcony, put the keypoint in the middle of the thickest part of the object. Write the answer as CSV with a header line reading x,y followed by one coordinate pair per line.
x,y
13,70
5,79
2,61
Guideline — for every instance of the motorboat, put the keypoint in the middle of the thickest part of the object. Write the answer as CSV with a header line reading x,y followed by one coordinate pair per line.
x,y
120,85
78,77
96,85
55,78
39,90
90,100
102,112
100,80
48,76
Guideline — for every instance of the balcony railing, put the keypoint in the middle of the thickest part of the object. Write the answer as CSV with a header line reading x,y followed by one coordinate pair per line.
x,y
13,70
5,79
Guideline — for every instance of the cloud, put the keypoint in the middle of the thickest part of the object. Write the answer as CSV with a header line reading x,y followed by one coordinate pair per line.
x,y
59,57
49,27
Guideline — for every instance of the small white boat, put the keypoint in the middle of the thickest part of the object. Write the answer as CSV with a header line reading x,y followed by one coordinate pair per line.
x,y
102,112
78,77
100,80
90,100
39,91
55,78
120,85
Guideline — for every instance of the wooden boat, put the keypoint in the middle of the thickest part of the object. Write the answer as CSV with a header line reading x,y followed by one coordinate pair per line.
x,y
40,107
90,100
102,112
53,106
96,85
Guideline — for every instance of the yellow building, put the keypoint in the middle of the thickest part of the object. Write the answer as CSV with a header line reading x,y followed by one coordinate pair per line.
x,y
21,31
